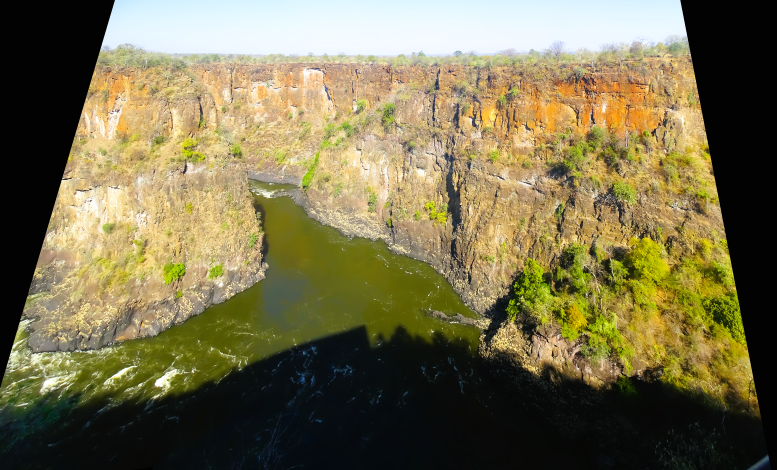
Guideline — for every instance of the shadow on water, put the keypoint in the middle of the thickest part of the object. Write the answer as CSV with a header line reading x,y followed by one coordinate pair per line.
x,y
338,402
334,402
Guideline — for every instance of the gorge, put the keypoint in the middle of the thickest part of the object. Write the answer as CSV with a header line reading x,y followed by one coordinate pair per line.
x,y
472,171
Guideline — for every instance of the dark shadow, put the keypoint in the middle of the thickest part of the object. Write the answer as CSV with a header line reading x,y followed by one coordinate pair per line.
x,y
259,209
340,403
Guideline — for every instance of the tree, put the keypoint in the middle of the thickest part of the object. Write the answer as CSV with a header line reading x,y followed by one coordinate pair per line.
x,y
646,262
531,294
724,310
636,48
557,48
457,53
508,52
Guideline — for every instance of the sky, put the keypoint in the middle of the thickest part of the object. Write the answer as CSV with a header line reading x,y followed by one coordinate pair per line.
x,y
386,27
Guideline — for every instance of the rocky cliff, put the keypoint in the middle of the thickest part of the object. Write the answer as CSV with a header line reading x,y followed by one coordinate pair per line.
x,y
492,148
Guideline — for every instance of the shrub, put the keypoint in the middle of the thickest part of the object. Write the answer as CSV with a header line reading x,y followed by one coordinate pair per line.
x,y
531,294
388,115
725,311
338,189
596,135
236,151
186,148
329,131
305,125
348,128
189,208
493,155
388,222
646,262
502,101
252,241
173,272
179,294
215,271
306,180
572,259
487,129
625,386
624,192
670,172
574,318
372,201
559,211
361,105
417,215
616,272
108,227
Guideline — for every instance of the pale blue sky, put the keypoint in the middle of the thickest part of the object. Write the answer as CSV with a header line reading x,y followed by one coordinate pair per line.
x,y
387,27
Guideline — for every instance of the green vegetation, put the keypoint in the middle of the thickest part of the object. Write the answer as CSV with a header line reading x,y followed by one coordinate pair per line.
x,y
387,117
559,211
252,241
186,148
173,272
617,307
236,151
189,208
373,199
308,178
361,105
624,192
109,227
215,271
724,310
304,129
127,55
493,155
338,189
531,295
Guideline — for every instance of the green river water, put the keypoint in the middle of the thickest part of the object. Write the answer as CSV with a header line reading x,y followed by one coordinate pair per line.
x,y
329,361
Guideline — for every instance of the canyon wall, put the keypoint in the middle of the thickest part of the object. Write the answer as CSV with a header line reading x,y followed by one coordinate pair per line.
x,y
447,121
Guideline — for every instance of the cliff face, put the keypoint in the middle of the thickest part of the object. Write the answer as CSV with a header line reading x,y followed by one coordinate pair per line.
x,y
501,210
122,213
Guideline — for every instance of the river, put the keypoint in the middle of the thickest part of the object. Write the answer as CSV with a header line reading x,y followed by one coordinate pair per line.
x,y
328,362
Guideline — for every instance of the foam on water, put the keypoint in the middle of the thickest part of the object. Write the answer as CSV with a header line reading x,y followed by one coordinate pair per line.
x,y
112,379
55,383
164,381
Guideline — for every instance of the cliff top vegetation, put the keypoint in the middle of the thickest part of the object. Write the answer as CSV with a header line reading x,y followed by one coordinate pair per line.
x,y
128,55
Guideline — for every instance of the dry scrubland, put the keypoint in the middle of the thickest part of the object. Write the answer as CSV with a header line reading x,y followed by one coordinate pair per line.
x,y
575,199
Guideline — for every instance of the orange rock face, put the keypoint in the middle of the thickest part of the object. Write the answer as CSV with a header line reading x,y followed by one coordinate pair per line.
x,y
633,99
